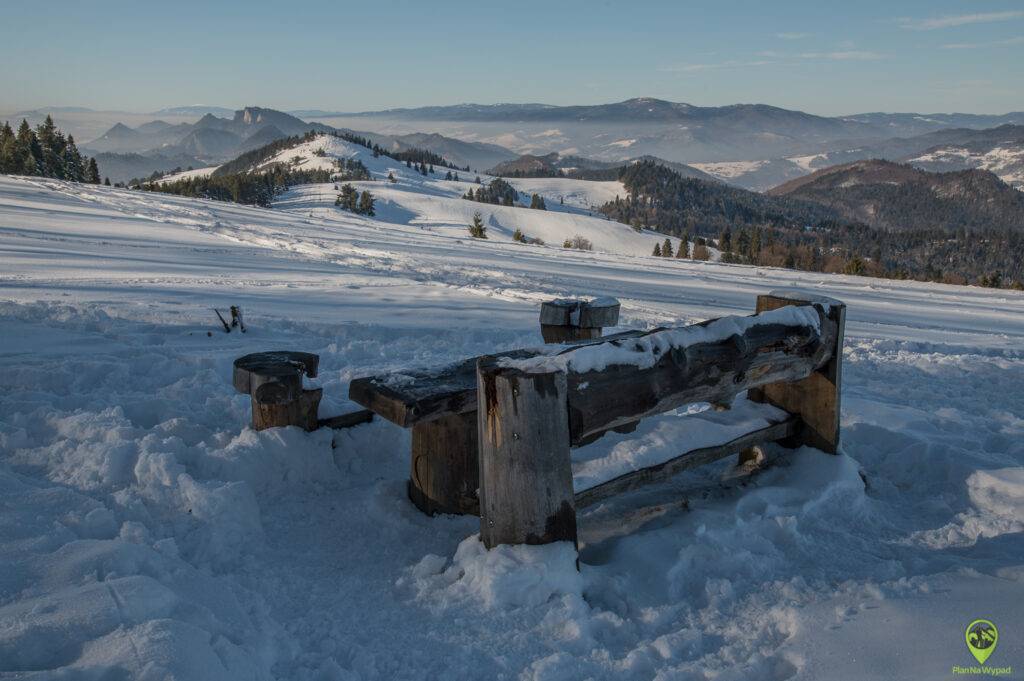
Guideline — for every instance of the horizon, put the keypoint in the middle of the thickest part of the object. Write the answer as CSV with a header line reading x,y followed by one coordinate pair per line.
x,y
295,111
921,57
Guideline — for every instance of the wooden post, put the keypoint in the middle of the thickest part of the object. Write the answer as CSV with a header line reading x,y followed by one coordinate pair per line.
x,y
526,493
273,380
445,471
815,399
567,320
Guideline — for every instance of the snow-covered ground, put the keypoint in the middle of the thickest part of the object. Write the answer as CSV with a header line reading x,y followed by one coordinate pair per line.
x,y
1006,162
729,170
147,533
188,174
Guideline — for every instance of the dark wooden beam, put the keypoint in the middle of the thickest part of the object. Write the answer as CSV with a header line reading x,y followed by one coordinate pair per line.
x,y
677,372
697,457
348,420
409,397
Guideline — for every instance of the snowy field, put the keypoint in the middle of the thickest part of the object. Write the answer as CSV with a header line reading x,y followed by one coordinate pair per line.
x,y
147,533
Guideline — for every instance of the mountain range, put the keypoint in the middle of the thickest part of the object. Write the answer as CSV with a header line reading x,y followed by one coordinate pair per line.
x,y
754,146
156,146
674,131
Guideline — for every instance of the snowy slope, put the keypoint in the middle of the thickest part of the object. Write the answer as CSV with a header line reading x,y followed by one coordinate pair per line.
x,y
433,204
1005,161
188,174
147,533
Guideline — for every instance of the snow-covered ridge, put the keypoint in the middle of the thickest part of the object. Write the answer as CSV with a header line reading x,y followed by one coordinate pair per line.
x,y
1005,161
434,204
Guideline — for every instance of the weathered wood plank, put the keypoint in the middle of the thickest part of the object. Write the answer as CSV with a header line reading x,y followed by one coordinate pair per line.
x,y
526,494
815,398
348,420
276,363
714,371
599,313
698,457
408,397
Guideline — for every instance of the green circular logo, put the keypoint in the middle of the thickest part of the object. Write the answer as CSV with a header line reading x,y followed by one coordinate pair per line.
x,y
982,637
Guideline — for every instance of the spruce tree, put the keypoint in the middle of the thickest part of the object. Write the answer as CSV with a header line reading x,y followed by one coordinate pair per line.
x,y
666,248
657,250
28,153
106,181
684,246
478,230
725,241
7,149
366,203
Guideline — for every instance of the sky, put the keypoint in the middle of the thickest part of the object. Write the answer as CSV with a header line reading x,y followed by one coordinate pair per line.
x,y
824,57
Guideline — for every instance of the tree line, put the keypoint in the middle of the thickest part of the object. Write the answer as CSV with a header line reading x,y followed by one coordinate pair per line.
x,y
257,189
763,230
44,152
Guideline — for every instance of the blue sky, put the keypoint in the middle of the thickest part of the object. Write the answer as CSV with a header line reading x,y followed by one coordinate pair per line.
x,y
822,57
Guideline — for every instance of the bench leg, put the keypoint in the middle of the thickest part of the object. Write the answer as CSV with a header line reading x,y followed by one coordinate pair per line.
x,y
525,463
445,468
301,412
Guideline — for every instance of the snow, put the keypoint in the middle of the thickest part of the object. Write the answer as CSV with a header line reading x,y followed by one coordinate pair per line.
x,y
644,352
1006,162
147,533
806,163
727,170
188,174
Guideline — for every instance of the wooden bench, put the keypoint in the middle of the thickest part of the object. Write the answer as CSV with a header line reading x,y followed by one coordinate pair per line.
x,y
489,432
533,411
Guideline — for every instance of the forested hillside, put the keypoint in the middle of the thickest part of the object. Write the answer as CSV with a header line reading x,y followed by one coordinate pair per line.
x,y
825,236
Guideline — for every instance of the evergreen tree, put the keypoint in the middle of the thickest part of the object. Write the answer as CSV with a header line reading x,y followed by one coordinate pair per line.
x,y
448,175
666,248
348,198
71,161
28,153
456,177
7,149
657,250
106,181
478,230
92,175
684,246
391,177
725,240
366,203
537,202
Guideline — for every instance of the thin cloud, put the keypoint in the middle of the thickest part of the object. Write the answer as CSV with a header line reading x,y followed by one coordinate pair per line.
x,y
1019,40
845,55
792,36
949,21
695,68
